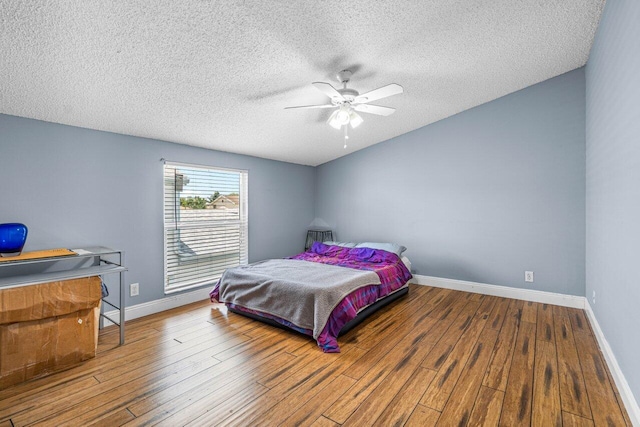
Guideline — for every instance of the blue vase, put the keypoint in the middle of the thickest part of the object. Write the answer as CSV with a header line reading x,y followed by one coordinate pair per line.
x,y
12,238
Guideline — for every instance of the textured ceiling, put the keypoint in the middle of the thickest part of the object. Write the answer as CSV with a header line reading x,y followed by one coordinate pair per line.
x,y
218,74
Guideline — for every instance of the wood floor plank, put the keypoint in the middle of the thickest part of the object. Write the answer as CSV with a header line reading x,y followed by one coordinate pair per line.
x,y
235,350
140,349
442,386
202,365
367,336
314,407
579,321
57,383
406,355
211,331
423,295
175,316
372,356
217,413
142,402
227,371
572,420
394,327
499,313
191,410
108,341
530,312
404,367
392,337
212,401
324,422
156,348
398,411
285,370
423,417
311,381
447,306
605,408
459,407
117,418
475,297
282,400
434,296
573,392
42,395
487,409
498,370
137,367
544,327
436,320
445,345
546,388
357,394
101,397
516,408
200,311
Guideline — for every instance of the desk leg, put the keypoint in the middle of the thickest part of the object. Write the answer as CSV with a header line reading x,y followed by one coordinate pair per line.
x,y
122,288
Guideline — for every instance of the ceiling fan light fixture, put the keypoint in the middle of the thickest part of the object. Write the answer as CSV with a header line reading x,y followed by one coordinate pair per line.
x,y
333,122
340,117
343,115
354,119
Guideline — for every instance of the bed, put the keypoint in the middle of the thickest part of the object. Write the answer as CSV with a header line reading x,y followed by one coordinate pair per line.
x,y
322,293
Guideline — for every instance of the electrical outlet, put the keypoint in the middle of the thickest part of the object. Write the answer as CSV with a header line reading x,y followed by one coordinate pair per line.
x,y
593,298
134,289
528,276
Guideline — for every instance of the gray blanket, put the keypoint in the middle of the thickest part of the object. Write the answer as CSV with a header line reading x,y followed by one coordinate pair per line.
x,y
302,292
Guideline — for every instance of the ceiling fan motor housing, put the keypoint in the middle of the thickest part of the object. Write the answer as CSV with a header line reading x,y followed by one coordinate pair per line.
x,y
348,94
344,76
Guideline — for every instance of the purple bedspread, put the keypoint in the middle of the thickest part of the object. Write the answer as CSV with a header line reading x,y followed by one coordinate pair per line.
x,y
390,269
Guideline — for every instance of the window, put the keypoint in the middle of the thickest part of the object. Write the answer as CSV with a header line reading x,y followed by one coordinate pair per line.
x,y
205,224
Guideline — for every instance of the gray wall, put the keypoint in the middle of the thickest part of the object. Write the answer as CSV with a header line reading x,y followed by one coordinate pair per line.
x,y
76,187
613,182
480,196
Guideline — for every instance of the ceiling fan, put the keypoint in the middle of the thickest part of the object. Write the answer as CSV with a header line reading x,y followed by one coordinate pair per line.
x,y
347,101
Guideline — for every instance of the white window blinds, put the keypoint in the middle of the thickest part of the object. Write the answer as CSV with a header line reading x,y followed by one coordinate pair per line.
x,y
205,224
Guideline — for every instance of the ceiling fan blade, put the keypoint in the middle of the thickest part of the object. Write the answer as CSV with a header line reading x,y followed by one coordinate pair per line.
x,y
312,106
328,90
374,109
381,92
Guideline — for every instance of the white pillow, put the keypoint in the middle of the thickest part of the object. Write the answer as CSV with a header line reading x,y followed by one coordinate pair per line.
x,y
389,247
343,244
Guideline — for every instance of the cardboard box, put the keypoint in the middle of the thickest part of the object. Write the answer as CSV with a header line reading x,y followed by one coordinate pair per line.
x,y
47,328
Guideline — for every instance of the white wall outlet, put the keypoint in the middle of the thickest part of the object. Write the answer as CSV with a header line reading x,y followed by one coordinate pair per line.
x,y
528,276
593,298
134,289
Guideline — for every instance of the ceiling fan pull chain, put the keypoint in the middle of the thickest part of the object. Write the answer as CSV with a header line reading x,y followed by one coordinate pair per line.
x,y
346,135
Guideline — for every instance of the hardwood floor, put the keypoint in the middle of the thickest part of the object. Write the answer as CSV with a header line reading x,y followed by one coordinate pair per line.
x,y
435,357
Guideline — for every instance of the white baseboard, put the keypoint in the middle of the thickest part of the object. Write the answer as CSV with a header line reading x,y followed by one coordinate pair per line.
x,y
156,306
502,291
630,403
